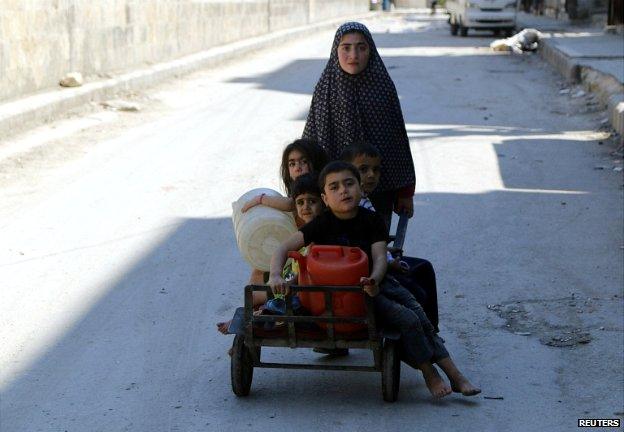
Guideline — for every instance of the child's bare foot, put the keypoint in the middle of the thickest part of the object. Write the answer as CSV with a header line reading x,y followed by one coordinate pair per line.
x,y
462,385
434,382
223,327
459,383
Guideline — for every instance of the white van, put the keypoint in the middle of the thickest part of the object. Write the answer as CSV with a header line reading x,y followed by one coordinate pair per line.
x,y
495,15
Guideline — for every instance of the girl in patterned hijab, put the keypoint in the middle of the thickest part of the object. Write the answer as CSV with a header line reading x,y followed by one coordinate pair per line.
x,y
355,101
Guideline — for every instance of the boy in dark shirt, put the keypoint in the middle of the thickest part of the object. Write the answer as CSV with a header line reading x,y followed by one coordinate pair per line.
x,y
345,223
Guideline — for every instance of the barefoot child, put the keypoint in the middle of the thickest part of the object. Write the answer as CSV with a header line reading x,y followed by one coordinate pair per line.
x,y
348,224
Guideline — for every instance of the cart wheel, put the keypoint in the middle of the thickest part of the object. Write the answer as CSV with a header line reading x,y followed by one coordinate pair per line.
x,y
390,371
241,367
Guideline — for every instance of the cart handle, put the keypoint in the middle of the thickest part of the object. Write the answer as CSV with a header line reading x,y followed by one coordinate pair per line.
x,y
401,230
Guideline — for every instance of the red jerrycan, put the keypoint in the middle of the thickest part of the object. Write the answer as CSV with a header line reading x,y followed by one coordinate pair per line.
x,y
334,266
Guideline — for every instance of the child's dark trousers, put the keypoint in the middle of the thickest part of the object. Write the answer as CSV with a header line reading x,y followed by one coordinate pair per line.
x,y
397,308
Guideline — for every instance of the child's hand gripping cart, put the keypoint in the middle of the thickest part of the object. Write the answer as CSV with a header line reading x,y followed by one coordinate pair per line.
x,y
336,313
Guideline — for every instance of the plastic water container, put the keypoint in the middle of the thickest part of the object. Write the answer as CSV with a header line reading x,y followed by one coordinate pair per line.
x,y
261,229
333,266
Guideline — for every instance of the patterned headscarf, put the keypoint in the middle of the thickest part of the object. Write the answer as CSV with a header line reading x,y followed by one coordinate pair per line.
x,y
348,109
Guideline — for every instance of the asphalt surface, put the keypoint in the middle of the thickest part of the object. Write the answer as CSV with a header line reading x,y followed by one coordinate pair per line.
x,y
118,254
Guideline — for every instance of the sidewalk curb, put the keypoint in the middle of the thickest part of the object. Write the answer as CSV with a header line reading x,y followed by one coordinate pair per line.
x,y
609,91
561,62
616,113
49,105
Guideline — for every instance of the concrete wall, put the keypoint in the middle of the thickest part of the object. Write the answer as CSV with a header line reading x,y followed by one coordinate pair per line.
x,y
41,40
321,10
412,3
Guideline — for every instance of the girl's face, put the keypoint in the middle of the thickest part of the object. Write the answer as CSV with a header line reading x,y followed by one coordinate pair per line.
x,y
308,206
297,164
353,53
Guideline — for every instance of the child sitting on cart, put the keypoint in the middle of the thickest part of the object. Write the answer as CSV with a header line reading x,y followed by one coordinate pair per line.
x,y
302,156
415,274
345,223
308,204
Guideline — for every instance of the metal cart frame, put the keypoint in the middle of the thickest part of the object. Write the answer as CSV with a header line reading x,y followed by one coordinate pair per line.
x,y
246,349
249,339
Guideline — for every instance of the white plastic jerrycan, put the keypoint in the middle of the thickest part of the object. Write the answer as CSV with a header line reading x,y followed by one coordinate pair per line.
x,y
261,229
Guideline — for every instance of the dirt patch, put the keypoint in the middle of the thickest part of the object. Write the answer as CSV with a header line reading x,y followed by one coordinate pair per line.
x,y
566,338
561,322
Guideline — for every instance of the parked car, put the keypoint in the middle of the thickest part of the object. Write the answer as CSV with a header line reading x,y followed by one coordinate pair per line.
x,y
495,15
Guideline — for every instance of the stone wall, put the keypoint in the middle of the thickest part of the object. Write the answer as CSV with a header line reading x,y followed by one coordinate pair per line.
x,y
287,13
321,10
41,40
412,3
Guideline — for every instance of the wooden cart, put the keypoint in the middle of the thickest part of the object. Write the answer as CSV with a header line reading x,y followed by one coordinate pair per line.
x,y
303,332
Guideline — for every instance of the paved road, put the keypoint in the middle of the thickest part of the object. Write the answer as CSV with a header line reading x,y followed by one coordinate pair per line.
x,y
118,255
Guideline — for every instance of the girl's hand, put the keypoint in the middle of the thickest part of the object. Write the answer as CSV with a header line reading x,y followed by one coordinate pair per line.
x,y
278,284
369,286
252,203
404,205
